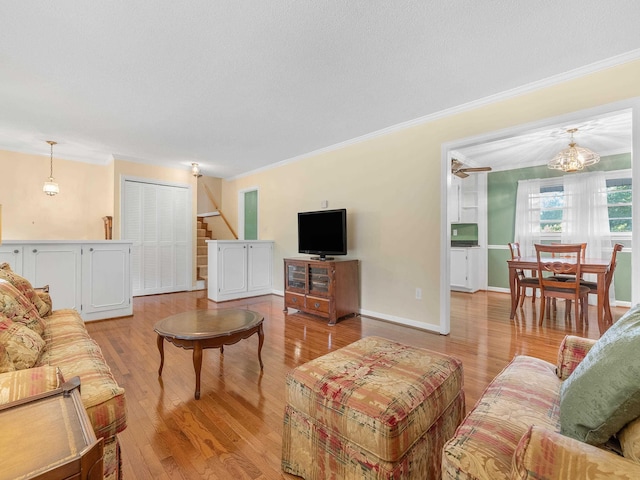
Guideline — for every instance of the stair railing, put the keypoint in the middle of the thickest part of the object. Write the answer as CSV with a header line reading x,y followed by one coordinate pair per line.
x,y
215,206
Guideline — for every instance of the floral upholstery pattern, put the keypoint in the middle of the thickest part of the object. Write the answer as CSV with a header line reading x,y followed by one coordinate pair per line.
x,y
513,430
68,351
375,409
6,365
22,344
25,383
24,286
70,348
15,306
545,455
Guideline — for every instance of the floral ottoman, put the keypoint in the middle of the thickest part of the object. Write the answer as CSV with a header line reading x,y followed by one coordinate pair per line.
x,y
375,409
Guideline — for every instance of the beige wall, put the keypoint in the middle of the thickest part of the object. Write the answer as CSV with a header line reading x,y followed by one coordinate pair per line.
x,y
74,214
391,186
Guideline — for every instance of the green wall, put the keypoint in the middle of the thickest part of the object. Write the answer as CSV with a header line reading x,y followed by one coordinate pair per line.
x,y
501,208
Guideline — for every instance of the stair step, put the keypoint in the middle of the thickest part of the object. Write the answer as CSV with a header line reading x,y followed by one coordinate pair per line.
x,y
203,270
203,250
202,232
202,259
202,241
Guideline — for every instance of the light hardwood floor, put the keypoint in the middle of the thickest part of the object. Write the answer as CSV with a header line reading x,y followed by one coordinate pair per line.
x,y
235,429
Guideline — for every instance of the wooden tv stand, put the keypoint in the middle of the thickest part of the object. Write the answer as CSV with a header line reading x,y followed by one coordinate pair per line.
x,y
327,288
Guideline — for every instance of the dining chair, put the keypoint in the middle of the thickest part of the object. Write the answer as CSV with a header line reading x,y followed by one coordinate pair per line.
x,y
522,280
564,260
608,278
583,251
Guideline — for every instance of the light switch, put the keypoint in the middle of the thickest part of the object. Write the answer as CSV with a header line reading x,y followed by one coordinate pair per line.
x,y
324,203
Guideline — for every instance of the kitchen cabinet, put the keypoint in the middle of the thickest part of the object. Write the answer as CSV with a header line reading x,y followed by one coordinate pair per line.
x,y
465,269
93,278
239,269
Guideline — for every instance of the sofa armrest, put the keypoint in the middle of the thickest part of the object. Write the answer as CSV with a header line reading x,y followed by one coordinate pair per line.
x,y
545,455
571,352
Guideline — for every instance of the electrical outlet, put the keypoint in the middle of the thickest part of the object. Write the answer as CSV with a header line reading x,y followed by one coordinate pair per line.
x,y
418,293
324,204
455,232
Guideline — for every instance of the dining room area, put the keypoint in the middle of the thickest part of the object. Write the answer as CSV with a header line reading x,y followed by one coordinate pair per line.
x,y
533,211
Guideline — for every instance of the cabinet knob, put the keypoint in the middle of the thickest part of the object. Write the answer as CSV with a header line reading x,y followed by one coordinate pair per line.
x,y
16,251
91,249
317,305
35,250
294,299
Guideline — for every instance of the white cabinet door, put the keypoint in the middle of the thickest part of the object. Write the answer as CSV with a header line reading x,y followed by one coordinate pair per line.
x,y
232,268
13,256
157,219
260,263
106,280
458,267
60,267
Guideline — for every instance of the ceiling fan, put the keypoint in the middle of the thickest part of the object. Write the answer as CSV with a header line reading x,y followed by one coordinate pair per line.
x,y
459,170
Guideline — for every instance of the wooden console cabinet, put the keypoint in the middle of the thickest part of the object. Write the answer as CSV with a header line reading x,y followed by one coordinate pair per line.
x,y
329,289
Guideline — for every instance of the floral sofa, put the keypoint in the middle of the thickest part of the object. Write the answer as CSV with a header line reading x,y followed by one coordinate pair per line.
x,y
41,347
577,419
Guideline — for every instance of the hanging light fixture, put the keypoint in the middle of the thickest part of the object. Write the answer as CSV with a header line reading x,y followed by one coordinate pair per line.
x,y
50,187
195,170
574,158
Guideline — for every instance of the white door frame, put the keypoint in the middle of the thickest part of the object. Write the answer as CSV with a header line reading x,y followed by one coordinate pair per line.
x,y
632,104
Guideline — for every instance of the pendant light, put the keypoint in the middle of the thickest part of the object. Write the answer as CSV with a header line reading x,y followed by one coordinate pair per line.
x,y
574,158
50,187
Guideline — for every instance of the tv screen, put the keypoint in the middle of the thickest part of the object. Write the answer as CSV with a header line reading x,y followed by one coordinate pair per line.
x,y
323,232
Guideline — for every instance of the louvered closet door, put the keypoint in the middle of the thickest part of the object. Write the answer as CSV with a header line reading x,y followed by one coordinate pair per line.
x,y
156,220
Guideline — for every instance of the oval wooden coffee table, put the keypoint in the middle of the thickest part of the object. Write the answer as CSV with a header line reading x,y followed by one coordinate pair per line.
x,y
199,329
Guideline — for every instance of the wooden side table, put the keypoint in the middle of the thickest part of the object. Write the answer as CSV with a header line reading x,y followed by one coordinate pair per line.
x,y
49,437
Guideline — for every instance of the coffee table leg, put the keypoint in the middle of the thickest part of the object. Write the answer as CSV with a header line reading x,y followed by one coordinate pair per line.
x,y
161,350
260,342
197,365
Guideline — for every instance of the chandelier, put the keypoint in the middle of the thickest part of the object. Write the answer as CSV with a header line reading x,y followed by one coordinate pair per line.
x,y
50,187
574,158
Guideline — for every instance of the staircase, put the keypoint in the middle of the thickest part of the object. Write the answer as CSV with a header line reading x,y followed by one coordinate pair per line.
x,y
202,256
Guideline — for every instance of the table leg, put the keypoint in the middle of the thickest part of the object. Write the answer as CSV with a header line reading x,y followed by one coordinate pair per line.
x,y
260,342
600,282
513,290
161,350
197,366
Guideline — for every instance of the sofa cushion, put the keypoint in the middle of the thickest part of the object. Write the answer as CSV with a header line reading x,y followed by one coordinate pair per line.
x,y
28,382
75,353
525,391
22,344
6,365
25,287
629,438
15,306
602,395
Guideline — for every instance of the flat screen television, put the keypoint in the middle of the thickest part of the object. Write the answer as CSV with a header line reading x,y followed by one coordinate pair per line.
x,y
323,233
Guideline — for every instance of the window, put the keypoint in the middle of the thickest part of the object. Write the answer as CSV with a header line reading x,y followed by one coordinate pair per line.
x,y
619,202
551,209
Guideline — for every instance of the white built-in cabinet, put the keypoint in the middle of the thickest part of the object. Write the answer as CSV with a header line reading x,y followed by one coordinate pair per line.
x,y
93,278
465,269
239,268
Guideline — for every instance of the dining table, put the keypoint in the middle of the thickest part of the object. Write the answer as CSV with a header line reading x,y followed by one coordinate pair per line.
x,y
597,266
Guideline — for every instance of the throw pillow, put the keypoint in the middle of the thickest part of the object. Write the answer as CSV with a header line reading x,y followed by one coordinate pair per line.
x,y
24,286
602,395
22,344
5,362
16,307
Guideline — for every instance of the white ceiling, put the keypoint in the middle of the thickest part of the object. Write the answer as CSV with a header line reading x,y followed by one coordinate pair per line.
x,y
238,85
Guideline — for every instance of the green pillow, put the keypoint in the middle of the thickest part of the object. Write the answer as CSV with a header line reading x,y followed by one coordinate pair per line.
x,y
603,393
